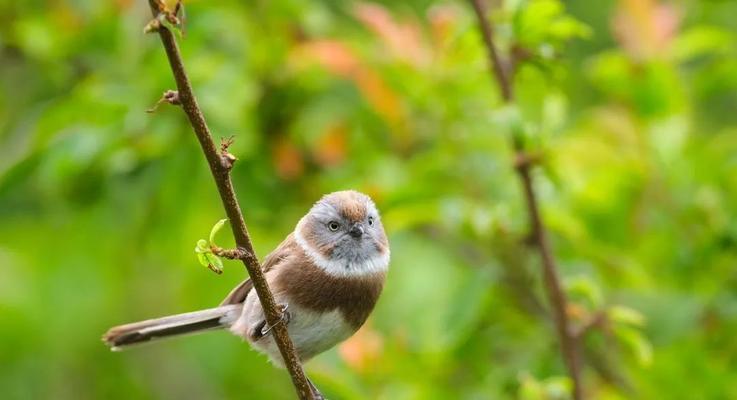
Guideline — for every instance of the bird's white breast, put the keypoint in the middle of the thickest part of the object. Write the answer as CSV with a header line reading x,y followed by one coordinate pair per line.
x,y
311,332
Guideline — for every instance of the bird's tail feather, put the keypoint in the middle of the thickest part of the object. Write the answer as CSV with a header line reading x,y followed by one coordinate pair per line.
x,y
123,336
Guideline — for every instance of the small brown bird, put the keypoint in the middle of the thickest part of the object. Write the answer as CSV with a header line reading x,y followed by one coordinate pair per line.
x,y
328,274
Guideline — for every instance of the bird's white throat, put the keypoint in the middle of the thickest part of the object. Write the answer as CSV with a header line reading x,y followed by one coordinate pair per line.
x,y
342,268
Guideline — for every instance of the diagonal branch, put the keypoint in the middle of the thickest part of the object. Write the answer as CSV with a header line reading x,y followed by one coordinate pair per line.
x,y
221,174
568,340
495,61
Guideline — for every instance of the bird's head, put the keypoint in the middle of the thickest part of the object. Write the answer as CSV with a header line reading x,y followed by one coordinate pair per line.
x,y
343,235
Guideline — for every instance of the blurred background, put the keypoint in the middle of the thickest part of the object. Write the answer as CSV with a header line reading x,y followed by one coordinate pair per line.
x,y
630,102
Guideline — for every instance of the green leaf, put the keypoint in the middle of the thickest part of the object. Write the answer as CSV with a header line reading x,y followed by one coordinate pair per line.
x,y
202,258
211,261
218,225
626,315
584,288
636,342
202,246
552,388
214,262
530,388
545,22
567,28
557,387
701,41
203,249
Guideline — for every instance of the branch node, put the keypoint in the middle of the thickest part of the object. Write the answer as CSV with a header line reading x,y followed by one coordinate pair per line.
x,y
166,18
169,96
165,12
518,55
249,257
226,158
238,253
524,160
596,321
152,26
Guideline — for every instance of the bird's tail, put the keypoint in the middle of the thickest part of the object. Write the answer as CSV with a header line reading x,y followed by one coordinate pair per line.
x,y
123,336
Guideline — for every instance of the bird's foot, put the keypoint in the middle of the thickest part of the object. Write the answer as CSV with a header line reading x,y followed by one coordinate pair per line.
x,y
284,319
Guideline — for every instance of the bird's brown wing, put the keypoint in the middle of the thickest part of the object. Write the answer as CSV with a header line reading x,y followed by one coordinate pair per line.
x,y
239,293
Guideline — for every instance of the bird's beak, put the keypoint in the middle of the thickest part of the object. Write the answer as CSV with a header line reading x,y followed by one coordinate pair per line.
x,y
356,231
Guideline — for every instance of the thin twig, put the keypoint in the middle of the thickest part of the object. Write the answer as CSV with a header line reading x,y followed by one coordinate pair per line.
x,y
556,295
500,72
221,174
524,162
230,254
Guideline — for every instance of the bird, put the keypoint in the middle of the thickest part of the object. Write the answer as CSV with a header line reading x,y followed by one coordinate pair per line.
x,y
326,276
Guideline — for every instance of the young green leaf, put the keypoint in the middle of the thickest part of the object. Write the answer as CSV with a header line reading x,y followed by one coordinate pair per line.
x,y
214,263
207,258
210,260
202,246
626,315
637,343
552,388
218,225
202,258
530,388
584,288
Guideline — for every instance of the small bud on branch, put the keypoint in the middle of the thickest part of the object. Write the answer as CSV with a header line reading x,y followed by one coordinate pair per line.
x,y
226,158
169,96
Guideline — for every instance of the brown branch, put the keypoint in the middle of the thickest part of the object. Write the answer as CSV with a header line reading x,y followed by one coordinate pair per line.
x,y
230,254
500,71
524,162
220,173
557,297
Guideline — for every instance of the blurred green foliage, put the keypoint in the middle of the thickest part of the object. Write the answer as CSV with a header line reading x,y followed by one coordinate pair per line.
x,y
632,102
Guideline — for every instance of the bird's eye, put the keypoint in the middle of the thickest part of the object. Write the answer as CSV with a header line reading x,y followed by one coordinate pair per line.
x,y
333,226
371,221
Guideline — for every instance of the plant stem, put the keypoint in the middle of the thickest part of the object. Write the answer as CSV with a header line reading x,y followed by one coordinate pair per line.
x,y
569,344
221,175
